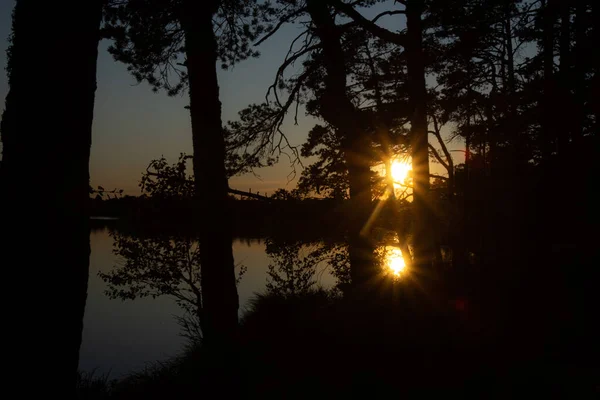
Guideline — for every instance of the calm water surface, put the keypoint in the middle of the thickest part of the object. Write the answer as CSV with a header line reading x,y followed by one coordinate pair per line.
x,y
123,336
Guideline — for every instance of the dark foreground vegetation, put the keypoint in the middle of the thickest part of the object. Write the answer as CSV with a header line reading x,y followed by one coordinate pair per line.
x,y
320,345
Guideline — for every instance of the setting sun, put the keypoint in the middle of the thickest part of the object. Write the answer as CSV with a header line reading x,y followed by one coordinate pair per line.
x,y
400,170
394,260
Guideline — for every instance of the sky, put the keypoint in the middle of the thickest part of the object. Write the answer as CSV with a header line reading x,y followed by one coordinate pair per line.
x,y
132,125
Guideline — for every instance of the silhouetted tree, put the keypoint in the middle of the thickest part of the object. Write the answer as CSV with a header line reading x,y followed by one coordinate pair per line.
x,y
328,176
505,97
337,109
44,180
334,87
285,195
412,42
184,40
162,181
423,232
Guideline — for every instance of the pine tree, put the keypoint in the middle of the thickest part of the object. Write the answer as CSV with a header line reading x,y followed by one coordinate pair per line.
x,y
46,135
175,46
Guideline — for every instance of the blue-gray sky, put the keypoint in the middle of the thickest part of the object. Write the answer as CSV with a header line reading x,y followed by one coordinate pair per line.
x,y
133,125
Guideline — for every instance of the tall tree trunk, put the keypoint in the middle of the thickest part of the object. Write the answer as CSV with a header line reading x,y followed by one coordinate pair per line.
x,y
510,57
219,293
423,226
565,98
548,122
516,137
579,63
338,110
46,135
595,83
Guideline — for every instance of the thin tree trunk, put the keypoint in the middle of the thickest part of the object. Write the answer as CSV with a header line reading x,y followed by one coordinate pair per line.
x,y
581,54
510,58
423,226
565,98
46,135
511,87
449,163
219,293
549,92
595,83
339,111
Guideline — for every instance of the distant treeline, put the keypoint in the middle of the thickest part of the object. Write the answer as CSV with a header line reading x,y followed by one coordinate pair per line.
x,y
305,219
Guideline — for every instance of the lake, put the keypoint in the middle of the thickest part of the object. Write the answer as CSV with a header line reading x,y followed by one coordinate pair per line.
x,y
123,336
